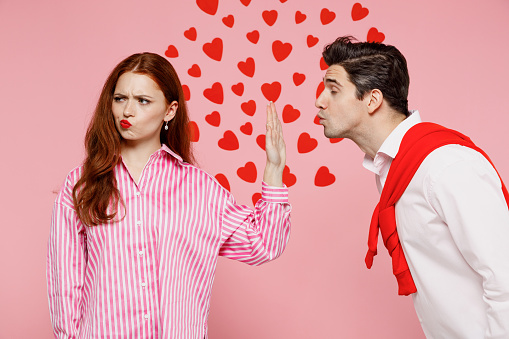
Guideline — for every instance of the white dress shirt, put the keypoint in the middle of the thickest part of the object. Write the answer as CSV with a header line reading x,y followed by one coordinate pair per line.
x,y
453,224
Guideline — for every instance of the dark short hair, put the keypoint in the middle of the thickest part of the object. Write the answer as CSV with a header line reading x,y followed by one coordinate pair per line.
x,y
372,65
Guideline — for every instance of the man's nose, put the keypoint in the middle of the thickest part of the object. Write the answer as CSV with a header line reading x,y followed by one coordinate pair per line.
x,y
320,101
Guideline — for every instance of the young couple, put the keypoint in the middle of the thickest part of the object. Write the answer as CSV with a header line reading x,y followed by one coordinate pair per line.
x,y
137,229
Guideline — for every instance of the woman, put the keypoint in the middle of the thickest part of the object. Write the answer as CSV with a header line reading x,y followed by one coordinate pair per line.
x,y
136,230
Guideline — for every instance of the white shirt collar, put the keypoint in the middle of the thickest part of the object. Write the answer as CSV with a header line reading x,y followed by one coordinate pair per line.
x,y
390,146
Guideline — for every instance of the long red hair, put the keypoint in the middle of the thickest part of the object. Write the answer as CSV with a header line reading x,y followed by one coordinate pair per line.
x,y
95,195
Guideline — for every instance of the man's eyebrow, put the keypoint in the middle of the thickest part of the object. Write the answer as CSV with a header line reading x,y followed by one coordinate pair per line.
x,y
331,80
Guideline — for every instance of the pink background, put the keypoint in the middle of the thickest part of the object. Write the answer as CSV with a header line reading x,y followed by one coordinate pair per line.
x,y
56,55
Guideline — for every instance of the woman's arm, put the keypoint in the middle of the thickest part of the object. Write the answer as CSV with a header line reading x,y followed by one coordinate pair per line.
x,y
66,263
275,149
258,236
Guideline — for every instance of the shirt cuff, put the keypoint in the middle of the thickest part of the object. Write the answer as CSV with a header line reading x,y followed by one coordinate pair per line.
x,y
274,194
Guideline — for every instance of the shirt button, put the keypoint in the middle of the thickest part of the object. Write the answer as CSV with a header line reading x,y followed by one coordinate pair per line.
x,y
146,316
143,284
140,253
137,194
138,223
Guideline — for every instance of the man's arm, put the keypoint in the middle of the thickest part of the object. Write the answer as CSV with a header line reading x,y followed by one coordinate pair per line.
x,y
468,197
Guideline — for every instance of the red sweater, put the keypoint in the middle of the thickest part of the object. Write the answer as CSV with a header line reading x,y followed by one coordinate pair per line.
x,y
418,142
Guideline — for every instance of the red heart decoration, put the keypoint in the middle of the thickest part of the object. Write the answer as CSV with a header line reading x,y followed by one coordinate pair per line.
x,y
194,71
208,6
269,17
375,36
298,78
214,49
290,114
171,52
323,65
289,179
319,89
312,40
187,92
248,172
282,1
228,20
306,144
260,140
253,36
213,118
195,131
317,120
247,67
238,89
256,197
215,93
326,16
247,128
323,177
229,141
249,107
359,12
245,2
221,178
271,91
281,50
299,17
191,34
335,140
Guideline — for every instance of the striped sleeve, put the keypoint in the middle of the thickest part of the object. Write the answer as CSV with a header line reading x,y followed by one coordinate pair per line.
x,y
256,237
66,262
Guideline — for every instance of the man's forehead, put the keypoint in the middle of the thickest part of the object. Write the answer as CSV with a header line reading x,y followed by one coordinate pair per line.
x,y
336,72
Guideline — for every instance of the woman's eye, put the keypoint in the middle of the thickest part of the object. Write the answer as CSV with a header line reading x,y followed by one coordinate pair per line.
x,y
118,99
144,101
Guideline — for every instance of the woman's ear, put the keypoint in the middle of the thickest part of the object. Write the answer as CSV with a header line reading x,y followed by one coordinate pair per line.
x,y
171,111
375,99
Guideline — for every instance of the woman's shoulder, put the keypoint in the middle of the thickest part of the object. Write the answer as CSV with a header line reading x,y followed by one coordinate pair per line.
x,y
74,175
64,197
203,177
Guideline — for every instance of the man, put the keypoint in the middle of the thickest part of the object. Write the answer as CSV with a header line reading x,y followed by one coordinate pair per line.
x,y
450,247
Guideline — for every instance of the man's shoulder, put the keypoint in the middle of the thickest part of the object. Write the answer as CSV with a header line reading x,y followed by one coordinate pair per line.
x,y
452,158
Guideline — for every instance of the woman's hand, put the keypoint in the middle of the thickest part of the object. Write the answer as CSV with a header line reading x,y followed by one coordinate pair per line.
x,y
275,148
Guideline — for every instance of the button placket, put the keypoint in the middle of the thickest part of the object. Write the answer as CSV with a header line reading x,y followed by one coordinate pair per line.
x,y
142,252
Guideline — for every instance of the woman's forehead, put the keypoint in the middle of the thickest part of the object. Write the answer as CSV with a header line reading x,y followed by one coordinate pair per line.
x,y
130,81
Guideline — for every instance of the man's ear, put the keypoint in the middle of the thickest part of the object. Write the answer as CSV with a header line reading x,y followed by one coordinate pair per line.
x,y
374,100
171,111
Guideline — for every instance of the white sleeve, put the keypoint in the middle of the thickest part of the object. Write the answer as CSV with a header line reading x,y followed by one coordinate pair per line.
x,y
468,197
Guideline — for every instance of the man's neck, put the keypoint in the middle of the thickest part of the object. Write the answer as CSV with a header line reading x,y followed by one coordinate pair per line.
x,y
375,134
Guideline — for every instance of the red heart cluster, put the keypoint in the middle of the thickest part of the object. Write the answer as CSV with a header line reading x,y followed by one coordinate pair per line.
x,y
281,51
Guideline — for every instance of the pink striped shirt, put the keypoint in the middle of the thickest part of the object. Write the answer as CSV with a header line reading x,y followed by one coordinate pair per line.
x,y
150,274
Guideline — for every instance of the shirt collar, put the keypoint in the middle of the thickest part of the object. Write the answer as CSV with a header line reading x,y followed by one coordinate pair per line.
x,y
166,149
390,146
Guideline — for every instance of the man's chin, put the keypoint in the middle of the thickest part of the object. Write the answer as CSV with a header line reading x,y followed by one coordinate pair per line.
x,y
330,135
